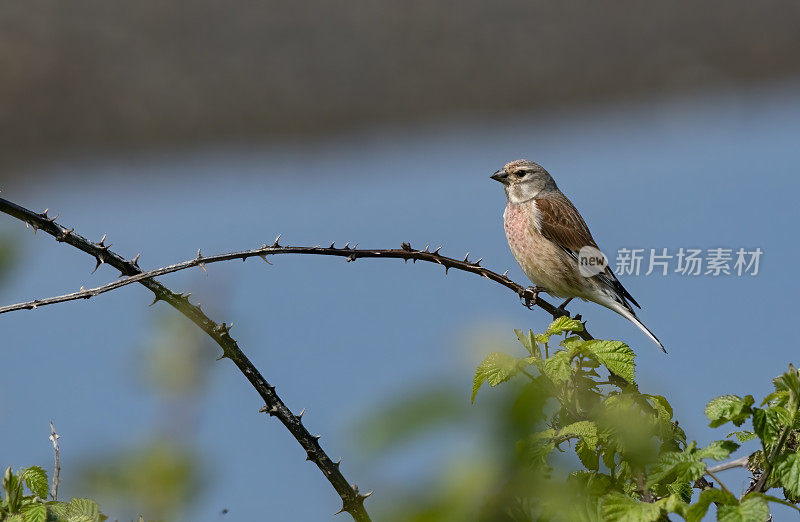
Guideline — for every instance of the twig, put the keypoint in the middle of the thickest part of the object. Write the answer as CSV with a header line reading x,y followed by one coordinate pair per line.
x,y
352,500
405,253
758,485
711,474
57,465
738,463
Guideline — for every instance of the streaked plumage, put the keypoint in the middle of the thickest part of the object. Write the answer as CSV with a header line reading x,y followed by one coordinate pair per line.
x,y
546,233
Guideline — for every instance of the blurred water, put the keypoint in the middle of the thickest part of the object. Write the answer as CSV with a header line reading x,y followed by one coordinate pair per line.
x,y
710,169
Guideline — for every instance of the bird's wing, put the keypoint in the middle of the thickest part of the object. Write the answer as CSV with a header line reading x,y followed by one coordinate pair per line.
x,y
559,221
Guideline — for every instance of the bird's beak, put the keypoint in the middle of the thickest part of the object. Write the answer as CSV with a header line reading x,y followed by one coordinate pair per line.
x,y
501,176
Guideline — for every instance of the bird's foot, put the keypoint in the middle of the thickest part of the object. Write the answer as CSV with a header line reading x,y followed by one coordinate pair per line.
x,y
529,295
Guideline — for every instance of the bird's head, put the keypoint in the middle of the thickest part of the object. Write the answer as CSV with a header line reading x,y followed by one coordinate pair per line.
x,y
524,180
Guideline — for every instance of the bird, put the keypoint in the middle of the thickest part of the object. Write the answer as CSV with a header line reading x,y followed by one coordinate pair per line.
x,y
553,246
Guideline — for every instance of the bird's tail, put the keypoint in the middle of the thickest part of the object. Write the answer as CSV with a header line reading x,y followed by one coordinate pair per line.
x,y
628,314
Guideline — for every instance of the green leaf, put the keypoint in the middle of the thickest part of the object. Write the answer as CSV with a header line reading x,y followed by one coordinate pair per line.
x,y
587,455
770,498
678,502
557,367
621,508
787,472
496,368
586,430
767,424
564,324
34,512
749,510
789,382
15,518
698,510
718,450
81,518
742,436
681,491
84,507
529,342
729,408
593,483
662,406
676,466
535,448
60,510
36,480
614,355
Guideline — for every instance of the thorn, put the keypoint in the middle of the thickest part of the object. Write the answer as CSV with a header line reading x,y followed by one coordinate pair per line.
x,y
337,463
203,266
155,300
478,262
275,244
446,269
365,495
82,289
427,248
102,240
317,246
406,247
466,258
264,257
62,235
221,356
45,213
100,261
332,245
316,437
347,246
135,260
505,274
300,415
199,255
224,328
352,257
436,252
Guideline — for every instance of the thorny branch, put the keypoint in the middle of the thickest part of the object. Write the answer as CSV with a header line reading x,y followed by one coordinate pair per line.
x,y
352,500
406,253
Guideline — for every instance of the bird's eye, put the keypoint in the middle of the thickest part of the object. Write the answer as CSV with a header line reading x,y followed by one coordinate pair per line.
x,y
521,173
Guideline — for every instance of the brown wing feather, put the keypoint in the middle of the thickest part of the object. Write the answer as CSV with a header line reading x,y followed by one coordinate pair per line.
x,y
560,222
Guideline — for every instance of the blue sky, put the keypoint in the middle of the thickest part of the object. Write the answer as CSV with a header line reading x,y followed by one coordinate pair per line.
x,y
709,169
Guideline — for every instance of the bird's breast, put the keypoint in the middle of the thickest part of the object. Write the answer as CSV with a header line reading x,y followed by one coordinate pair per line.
x,y
543,261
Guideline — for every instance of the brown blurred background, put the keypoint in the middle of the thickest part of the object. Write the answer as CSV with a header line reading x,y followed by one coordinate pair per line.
x,y
96,75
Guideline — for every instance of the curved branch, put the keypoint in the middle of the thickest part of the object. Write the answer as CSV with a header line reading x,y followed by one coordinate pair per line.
x,y
352,500
406,253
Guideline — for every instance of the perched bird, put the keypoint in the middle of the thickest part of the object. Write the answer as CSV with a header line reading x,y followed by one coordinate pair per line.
x,y
553,245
